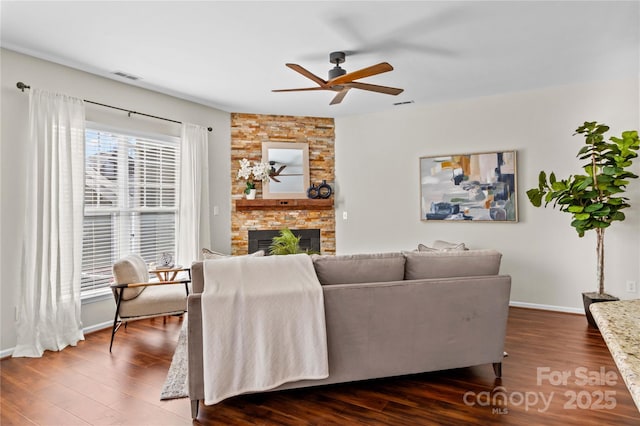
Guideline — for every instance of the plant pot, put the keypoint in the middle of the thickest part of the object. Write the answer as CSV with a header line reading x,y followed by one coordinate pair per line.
x,y
251,195
594,297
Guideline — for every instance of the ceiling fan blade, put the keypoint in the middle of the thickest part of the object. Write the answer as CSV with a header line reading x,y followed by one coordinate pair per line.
x,y
307,74
364,72
301,90
339,97
375,88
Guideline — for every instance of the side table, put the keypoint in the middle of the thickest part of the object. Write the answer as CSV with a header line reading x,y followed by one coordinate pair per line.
x,y
169,274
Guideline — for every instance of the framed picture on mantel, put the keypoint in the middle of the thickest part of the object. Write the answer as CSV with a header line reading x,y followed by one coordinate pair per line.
x,y
469,187
289,174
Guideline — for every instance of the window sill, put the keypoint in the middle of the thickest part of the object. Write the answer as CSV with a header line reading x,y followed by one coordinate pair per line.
x,y
96,296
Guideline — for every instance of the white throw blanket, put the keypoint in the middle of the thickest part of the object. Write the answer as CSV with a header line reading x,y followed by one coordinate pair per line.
x,y
263,324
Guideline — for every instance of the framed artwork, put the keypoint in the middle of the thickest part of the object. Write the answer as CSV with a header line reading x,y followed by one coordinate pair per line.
x,y
473,187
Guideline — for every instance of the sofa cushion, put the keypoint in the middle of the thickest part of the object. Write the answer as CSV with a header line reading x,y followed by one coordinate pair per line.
x,y
359,268
443,264
155,300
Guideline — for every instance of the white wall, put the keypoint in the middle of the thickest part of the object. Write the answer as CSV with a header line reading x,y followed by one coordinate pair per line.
x,y
46,75
377,182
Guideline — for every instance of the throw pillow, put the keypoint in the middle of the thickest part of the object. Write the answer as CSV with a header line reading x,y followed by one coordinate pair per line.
x,y
131,269
439,245
210,254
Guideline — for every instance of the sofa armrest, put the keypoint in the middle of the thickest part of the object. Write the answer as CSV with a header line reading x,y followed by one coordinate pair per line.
x,y
197,277
194,347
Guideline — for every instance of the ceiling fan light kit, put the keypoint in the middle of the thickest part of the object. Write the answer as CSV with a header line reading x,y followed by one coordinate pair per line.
x,y
340,81
336,58
336,72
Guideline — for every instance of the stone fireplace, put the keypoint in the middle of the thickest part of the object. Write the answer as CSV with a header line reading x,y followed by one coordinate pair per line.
x,y
248,132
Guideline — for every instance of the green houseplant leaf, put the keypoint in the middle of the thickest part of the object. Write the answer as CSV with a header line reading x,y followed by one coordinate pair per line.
x,y
285,243
589,198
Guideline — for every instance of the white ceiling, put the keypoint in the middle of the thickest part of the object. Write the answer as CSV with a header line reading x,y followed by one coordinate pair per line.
x,y
230,55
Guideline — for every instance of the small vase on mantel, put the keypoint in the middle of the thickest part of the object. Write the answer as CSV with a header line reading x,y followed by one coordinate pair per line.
x,y
251,195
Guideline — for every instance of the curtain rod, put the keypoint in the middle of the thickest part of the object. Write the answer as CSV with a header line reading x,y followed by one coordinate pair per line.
x,y
20,85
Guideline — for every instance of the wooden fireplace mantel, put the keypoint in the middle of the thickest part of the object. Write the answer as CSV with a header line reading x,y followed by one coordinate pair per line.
x,y
285,204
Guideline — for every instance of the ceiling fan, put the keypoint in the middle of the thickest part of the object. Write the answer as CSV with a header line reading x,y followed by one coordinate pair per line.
x,y
340,81
273,173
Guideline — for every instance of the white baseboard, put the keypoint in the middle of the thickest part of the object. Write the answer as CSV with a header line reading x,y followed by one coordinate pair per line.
x,y
546,307
97,327
8,352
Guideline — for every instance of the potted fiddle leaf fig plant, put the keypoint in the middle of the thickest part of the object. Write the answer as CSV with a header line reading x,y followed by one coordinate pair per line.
x,y
594,199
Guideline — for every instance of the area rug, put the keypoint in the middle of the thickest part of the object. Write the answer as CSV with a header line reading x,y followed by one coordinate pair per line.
x,y
175,386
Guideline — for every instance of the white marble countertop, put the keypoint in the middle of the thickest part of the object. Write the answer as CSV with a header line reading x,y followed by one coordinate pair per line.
x,y
619,324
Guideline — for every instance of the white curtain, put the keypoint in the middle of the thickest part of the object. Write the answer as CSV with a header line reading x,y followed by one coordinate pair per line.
x,y
193,211
49,304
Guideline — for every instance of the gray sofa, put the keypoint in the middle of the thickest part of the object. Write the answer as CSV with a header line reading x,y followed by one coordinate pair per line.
x,y
392,314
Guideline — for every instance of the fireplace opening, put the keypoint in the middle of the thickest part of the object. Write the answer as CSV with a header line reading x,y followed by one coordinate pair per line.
x,y
262,239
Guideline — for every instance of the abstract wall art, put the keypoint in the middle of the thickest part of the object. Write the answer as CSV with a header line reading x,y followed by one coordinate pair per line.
x,y
469,187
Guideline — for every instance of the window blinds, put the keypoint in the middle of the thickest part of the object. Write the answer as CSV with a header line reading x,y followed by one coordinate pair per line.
x,y
130,202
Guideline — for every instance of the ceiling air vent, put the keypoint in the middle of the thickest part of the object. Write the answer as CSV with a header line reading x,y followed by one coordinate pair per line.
x,y
125,75
402,103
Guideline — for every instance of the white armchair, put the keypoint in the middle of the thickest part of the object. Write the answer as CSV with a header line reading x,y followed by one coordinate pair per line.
x,y
137,297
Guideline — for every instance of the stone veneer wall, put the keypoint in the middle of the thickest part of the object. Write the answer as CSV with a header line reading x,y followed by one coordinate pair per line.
x,y
248,131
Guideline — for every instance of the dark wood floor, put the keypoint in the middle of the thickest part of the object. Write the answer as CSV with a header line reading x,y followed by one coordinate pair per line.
x,y
87,385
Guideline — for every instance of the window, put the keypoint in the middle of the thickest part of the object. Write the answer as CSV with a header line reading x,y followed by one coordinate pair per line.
x,y
130,202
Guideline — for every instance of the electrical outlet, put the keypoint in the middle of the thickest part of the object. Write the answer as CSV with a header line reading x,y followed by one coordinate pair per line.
x,y
344,215
631,287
